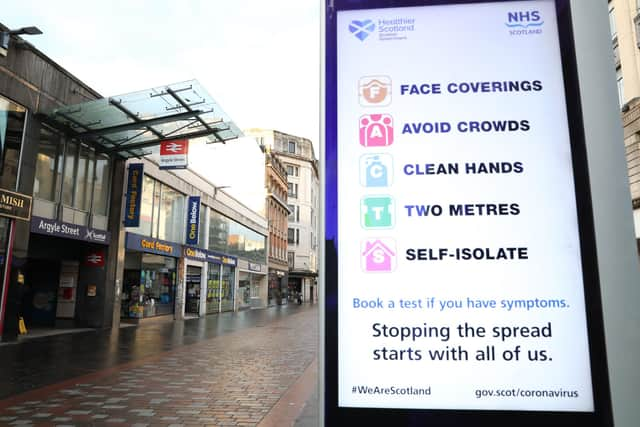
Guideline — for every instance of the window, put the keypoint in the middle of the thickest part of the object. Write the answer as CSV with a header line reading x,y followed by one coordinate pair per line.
x,y
612,22
101,186
292,212
292,147
292,190
146,207
233,238
84,179
172,215
48,170
12,118
293,170
68,178
291,256
620,86
291,235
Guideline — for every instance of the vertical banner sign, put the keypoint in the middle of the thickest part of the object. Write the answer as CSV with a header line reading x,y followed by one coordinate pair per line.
x,y
134,195
174,153
193,220
462,277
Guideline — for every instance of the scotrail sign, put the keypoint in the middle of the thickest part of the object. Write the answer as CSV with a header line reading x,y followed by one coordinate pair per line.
x,y
460,250
174,154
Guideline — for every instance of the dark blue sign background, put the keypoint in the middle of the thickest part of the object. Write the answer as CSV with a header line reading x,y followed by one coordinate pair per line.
x,y
193,220
134,195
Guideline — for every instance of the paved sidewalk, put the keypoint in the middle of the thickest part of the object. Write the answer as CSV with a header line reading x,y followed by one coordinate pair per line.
x,y
234,378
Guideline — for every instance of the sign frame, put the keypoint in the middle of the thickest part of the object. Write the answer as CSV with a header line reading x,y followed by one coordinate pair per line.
x,y
133,199
174,154
336,415
193,221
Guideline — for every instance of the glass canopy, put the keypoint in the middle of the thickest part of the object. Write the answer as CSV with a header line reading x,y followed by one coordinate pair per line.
x,y
130,125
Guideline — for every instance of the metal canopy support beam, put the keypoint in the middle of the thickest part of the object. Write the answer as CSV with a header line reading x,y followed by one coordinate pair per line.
x,y
74,134
140,145
134,117
138,125
188,108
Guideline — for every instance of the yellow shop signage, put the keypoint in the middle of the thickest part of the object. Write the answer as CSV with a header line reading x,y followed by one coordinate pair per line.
x,y
137,242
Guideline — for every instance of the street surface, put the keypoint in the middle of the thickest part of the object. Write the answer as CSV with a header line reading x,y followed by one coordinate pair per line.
x,y
250,368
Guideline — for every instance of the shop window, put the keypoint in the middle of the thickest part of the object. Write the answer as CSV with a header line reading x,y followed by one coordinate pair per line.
x,y
149,285
48,166
213,288
255,286
227,285
244,289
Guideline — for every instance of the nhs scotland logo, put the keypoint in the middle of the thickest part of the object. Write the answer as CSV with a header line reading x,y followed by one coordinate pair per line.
x,y
362,29
524,22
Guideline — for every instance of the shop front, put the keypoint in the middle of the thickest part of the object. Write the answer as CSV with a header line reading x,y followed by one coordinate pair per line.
x,y
63,279
252,285
277,286
150,277
219,292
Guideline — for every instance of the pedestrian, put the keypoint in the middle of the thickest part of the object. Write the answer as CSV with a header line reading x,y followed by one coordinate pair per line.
x,y
299,298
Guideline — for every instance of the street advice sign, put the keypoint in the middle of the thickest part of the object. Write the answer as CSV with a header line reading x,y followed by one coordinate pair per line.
x,y
173,154
15,205
460,246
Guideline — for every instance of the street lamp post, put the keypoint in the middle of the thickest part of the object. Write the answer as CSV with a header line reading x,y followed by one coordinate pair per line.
x,y
5,36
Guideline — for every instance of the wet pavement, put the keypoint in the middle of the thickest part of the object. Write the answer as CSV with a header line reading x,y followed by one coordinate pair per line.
x,y
254,367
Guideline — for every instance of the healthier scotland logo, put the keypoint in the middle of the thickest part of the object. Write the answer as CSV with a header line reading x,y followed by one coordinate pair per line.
x,y
362,29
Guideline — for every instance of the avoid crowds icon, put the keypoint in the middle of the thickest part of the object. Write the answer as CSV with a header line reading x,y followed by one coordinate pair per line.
x,y
376,130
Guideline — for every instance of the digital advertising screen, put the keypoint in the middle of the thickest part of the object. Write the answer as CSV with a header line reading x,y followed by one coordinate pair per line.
x,y
460,260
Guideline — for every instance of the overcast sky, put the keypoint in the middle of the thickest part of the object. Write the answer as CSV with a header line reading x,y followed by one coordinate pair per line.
x,y
258,59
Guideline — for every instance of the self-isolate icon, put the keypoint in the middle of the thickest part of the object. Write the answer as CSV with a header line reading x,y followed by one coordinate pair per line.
x,y
376,170
377,212
378,255
374,91
376,130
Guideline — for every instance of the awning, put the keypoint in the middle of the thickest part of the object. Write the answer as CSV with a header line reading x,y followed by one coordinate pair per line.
x,y
130,125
